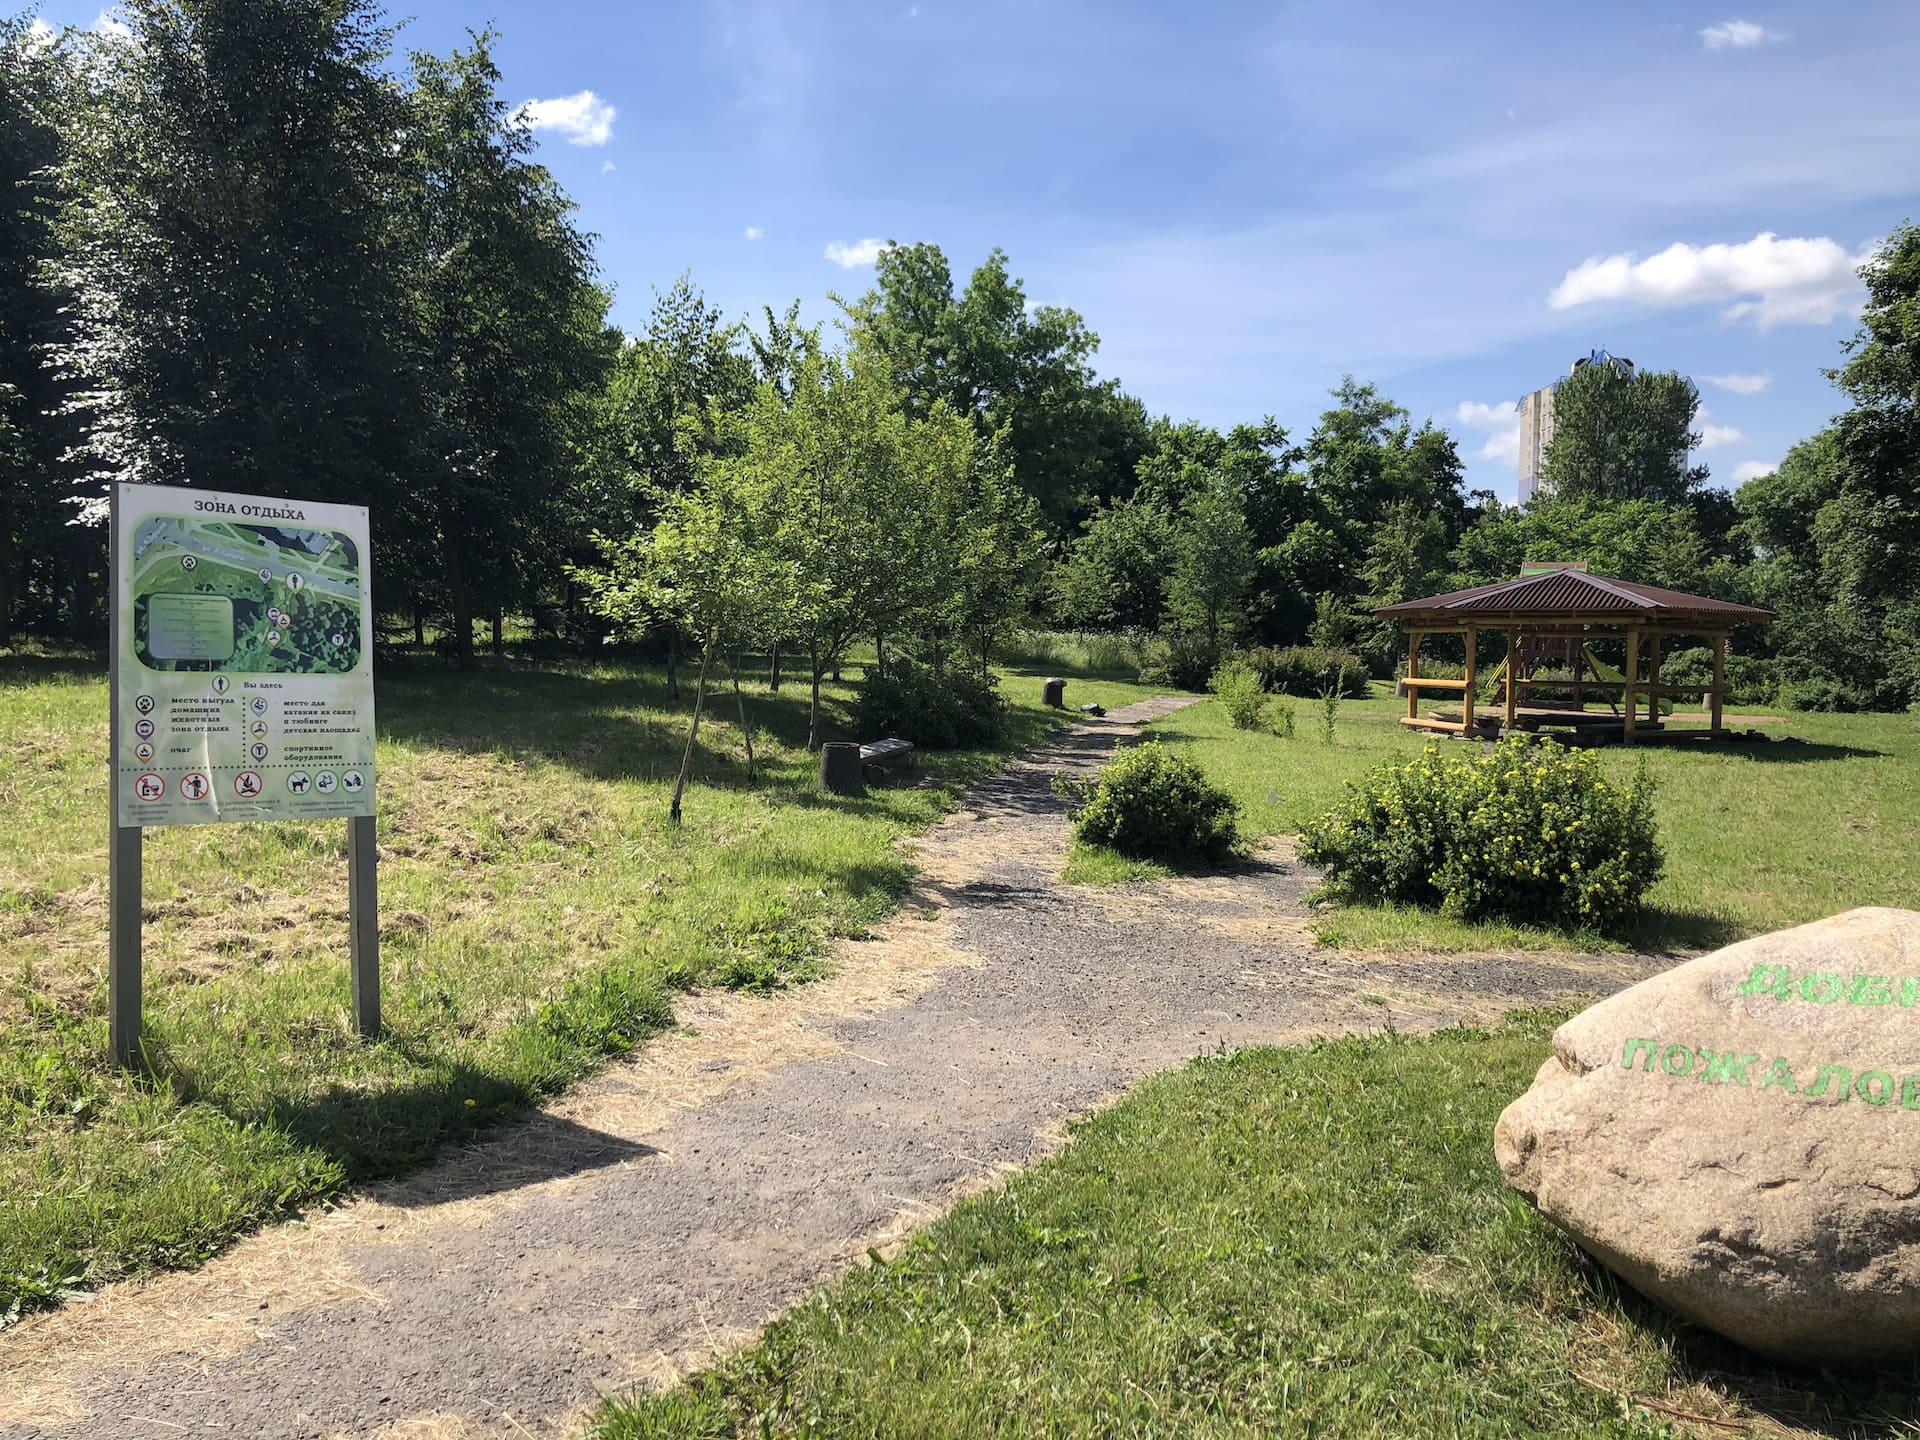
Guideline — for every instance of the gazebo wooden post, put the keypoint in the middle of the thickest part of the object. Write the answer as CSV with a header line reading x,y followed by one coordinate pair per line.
x,y
1513,688
1466,695
1653,679
1413,673
1632,697
1719,678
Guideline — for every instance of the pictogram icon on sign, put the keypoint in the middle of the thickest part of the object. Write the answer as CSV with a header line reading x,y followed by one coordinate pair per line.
x,y
149,787
258,729
247,784
144,729
143,752
258,705
298,782
273,637
221,684
195,786
324,782
294,582
189,562
352,782
144,704
265,573
257,750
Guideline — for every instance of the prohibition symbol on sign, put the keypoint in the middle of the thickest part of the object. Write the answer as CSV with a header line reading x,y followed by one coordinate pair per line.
x,y
195,786
247,784
352,781
323,782
298,782
149,787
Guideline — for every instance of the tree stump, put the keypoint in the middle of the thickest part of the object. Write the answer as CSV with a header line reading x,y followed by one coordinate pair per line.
x,y
840,768
1054,693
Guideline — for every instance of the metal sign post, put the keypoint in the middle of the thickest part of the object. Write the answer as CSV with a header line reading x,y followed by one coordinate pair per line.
x,y
240,688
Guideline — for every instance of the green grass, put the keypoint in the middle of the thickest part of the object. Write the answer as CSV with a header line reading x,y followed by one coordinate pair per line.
x,y
1310,1242
1821,818
537,910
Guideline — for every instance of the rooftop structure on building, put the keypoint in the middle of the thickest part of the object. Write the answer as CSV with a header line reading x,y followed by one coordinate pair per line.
x,y
1536,420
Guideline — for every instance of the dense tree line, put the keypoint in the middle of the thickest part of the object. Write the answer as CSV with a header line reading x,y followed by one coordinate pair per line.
x,y
249,245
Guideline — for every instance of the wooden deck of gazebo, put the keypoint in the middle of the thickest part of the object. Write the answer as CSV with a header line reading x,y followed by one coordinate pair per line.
x,y
1549,617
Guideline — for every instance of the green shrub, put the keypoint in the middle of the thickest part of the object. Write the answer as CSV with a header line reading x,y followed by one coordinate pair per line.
x,y
1152,804
1241,695
937,712
1310,671
1033,650
1523,830
1283,713
1182,661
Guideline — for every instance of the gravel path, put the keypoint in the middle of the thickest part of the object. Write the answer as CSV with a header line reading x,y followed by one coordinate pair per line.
x,y
680,1199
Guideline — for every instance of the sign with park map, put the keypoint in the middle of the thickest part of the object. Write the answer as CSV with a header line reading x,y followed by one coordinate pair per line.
x,y
243,672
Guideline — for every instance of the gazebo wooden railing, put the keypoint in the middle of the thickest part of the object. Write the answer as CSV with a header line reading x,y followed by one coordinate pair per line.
x,y
1555,612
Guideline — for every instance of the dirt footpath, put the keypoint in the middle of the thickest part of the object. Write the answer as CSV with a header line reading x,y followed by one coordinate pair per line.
x,y
682,1198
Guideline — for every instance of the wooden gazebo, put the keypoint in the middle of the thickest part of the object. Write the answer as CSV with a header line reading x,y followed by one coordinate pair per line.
x,y
1550,617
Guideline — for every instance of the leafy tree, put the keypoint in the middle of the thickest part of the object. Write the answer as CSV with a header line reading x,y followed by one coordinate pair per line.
x,y
228,238
1869,534
1022,373
1114,576
1212,565
39,551
1623,437
506,330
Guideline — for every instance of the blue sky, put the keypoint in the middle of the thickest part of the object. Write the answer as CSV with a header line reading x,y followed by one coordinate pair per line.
x,y
1247,201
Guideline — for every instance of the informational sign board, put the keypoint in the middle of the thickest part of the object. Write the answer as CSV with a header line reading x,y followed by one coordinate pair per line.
x,y
243,659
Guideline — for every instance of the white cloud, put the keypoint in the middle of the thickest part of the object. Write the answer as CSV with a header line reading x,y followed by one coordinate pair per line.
x,y
112,26
753,232
1738,35
858,254
1712,436
1753,469
1739,384
1501,421
585,119
1792,281
608,168
40,35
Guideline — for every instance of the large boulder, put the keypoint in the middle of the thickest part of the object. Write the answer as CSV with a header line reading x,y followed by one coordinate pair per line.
x,y
1739,1138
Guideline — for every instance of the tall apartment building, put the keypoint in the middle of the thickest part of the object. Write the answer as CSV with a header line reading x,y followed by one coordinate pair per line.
x,y
1536,421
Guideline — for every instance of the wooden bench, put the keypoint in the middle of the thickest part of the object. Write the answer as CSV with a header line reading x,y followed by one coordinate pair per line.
x,y
883,757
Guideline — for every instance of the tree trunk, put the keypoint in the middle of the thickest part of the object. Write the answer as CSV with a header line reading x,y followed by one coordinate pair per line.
x,y
746,725
462,609
813,709
880,656
773,669
497,647
419,628
693,730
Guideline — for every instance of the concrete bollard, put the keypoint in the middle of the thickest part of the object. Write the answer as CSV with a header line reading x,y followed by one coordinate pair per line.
x,y
840,768
1054,693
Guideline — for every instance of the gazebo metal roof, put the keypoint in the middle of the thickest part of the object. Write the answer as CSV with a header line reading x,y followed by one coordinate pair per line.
x,y
1570,595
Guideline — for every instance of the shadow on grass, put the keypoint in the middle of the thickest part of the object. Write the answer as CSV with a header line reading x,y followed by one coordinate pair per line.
x,y
1869,1405
1792,750
27,668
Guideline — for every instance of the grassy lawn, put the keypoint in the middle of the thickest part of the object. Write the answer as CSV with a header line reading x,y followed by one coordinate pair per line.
x,y
1757,836
1309,1242
537,912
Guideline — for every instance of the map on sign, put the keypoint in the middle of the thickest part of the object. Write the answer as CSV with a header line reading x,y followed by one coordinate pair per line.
x,y
243,678
218,594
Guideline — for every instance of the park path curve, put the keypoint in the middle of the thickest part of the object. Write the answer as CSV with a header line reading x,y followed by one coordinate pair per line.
x,y
673,1204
